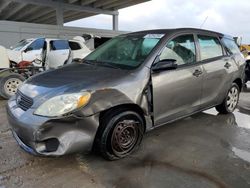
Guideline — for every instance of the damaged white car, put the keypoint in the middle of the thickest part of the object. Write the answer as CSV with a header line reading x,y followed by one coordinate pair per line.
x,y
31,56
54,51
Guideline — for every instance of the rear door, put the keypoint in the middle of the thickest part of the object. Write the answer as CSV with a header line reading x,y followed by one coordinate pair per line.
x,y
177,93
236,56
58,53
217,67
78,50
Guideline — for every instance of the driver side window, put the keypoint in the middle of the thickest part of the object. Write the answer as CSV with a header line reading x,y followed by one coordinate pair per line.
x,y
181,49
38,44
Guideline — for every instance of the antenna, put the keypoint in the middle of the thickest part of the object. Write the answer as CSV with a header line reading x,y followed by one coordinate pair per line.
x,y
203,22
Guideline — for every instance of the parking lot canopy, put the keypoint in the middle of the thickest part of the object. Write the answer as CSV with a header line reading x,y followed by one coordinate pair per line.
x,y
60,11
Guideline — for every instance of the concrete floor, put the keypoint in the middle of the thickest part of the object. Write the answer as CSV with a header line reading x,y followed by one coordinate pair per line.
x,y
205,150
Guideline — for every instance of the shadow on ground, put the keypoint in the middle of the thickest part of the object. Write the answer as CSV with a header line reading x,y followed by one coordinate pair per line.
x,y
205,150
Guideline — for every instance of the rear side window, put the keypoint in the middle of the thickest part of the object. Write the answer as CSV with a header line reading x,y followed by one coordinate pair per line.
x,y
74,45
181,49
231,46
59,45
210,47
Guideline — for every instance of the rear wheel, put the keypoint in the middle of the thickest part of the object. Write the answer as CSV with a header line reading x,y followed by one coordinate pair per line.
x,y
9,85
120,134
230,102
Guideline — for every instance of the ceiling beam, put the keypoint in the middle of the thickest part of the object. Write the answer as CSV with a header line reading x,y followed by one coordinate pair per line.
x,y
40,15
72,1
108,6
128,4
51,21
67,6
72,17
70,13
27,14
13,11
77,17
4,5
87,2
69,17
46,17
101,3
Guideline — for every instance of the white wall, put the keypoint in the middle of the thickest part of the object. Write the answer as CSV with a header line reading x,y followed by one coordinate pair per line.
x,y
12,32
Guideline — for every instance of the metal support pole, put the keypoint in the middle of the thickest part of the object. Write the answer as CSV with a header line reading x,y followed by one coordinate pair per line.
x,y
59,16
115,22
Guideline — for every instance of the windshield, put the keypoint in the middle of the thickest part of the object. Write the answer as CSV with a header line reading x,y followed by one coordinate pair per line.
x,y
126,52
21,44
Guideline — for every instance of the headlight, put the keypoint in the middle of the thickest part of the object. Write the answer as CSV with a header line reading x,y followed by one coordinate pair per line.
x,y
63,104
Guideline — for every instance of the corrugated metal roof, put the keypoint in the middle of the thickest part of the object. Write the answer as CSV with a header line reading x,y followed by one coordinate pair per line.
x,y
44,11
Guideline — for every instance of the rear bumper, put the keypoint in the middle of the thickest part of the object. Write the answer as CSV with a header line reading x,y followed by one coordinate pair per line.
x,y
51,137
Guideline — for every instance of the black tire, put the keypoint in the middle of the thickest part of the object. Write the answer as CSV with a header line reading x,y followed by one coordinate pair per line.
x,y
18,79
226,106
123,125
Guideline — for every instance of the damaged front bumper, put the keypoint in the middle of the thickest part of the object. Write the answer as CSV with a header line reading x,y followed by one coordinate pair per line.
x,y
51,137
23,145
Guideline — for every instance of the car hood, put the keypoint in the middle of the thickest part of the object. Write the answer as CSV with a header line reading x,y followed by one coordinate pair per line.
x,y
71,78
14,55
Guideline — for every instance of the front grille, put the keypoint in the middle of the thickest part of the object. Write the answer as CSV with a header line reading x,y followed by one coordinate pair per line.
x,y
23,101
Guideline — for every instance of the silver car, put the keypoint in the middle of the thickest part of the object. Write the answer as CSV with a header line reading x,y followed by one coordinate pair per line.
x,y
131,84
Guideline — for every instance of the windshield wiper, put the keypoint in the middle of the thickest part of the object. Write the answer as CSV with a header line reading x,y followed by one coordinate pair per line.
x,y
100,63
89,62
108,64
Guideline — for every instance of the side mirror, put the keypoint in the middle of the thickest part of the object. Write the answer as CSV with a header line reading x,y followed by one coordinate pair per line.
x,y
77,60
27,49
238,40
164,64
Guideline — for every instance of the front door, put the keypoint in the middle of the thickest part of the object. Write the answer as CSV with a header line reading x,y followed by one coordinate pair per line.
x,y
34,50
177,93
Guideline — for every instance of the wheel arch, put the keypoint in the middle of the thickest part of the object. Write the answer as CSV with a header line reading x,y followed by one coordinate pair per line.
x,y
239,82
130,106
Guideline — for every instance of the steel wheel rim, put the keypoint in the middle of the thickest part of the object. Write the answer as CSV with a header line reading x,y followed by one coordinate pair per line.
x,y
124,137
232,98
11,85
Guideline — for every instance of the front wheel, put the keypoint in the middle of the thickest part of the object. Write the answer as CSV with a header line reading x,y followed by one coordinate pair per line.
x,y
120,134
9,85
230,102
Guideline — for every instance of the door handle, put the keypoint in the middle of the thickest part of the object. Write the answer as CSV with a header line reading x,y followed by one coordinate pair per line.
x,y
197,73
227,65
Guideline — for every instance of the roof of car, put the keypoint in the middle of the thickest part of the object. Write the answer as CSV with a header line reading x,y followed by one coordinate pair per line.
x,y
49,39
170,31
